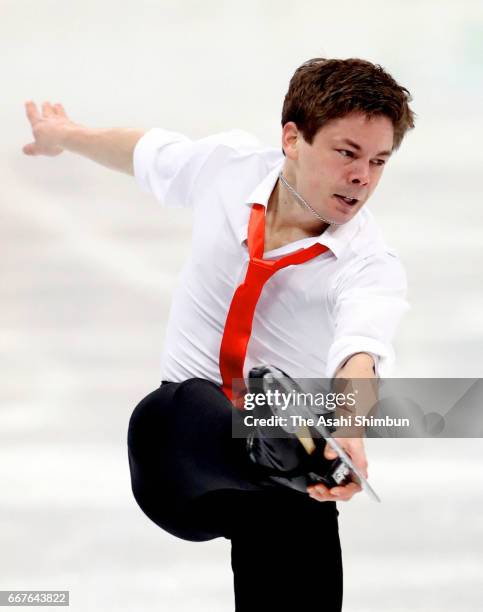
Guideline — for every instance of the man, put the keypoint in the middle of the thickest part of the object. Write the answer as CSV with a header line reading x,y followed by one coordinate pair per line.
x,y
330,310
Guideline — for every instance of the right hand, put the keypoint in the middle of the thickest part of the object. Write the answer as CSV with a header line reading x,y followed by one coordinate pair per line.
x,y
48,128
354,447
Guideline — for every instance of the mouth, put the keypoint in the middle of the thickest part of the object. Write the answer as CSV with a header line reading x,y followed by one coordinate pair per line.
x,y
346,200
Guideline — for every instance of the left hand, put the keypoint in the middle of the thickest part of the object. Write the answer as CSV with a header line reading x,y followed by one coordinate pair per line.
x,y
354,447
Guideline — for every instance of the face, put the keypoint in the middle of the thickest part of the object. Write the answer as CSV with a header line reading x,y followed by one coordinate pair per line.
x,y
346,159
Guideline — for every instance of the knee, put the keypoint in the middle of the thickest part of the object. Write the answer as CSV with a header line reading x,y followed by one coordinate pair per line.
x,y
146,423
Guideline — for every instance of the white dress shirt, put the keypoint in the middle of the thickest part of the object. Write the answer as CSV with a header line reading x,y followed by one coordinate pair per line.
x,y
311,317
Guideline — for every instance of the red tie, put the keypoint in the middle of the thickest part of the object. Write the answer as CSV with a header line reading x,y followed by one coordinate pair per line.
x,y
239,320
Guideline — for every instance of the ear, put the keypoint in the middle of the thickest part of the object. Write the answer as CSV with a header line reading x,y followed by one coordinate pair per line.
x,y
290,138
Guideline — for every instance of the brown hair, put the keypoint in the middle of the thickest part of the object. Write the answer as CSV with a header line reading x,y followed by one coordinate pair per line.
x,y
324,89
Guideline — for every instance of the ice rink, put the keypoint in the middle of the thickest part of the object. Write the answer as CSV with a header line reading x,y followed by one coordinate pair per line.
x,y
89,263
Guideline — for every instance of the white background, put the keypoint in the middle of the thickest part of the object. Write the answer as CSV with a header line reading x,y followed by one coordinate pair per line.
x,y
89,264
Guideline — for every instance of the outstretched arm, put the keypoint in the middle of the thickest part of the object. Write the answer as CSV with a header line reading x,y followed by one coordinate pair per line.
x,y
54,133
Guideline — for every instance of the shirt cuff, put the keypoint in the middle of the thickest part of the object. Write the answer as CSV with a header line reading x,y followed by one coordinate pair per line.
x,y
342,349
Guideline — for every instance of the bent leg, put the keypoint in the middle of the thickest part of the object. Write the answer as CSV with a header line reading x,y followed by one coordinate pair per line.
x,y
180,447
194,480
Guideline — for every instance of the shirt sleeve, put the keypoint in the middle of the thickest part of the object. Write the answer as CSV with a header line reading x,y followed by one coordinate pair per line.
x,y
167,164
367,306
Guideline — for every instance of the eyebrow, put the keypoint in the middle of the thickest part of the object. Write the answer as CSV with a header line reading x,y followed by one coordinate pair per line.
x,y
353,144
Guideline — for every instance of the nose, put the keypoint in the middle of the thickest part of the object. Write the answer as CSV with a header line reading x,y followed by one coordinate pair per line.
x,y
359,173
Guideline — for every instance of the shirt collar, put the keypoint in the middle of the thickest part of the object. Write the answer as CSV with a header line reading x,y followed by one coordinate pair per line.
x,y
261,193
336,237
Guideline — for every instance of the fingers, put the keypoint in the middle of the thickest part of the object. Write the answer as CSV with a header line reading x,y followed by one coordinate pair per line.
x,y
320,492
29,149
329,452
354,447
47,109
59,110
346,492
32,112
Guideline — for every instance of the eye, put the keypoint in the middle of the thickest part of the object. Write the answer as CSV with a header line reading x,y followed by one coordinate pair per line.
x,y
345,152
379,162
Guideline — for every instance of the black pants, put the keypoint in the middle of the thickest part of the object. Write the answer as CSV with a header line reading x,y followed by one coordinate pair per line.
x,y
194,480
